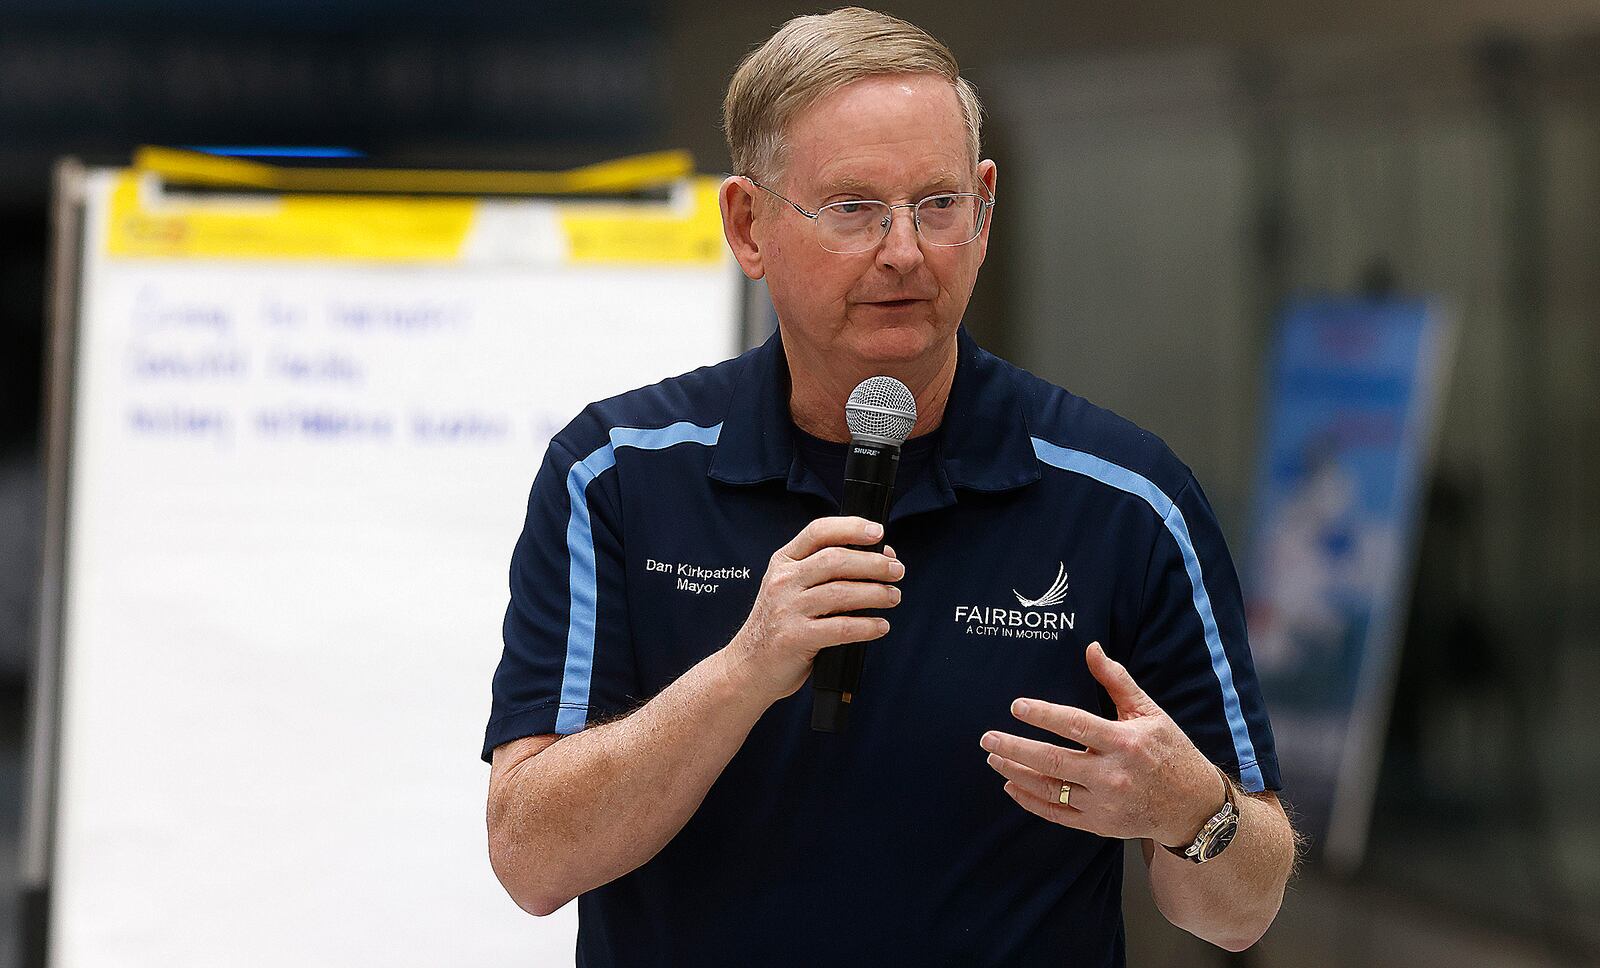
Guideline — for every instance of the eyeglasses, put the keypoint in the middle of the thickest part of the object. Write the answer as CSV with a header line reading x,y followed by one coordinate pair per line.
x,y
858,225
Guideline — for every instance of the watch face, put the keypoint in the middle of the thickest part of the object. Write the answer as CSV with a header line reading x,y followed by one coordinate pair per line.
x,y
1222,837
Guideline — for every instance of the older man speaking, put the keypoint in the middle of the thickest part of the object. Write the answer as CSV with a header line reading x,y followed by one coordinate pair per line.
x,y
1064,664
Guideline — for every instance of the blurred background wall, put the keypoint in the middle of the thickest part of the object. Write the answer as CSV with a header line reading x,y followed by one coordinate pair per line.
x,y
1169,174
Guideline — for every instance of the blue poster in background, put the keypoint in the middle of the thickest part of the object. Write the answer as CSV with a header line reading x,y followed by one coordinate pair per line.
x,y
1350,424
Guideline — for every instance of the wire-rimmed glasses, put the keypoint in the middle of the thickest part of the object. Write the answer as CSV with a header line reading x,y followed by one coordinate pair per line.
x,y
858,225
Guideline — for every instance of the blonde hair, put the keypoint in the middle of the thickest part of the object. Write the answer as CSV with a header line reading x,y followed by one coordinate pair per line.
x,y
811,57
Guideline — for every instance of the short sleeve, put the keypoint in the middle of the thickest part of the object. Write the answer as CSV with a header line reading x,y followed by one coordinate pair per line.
x,y
568,659
1191,654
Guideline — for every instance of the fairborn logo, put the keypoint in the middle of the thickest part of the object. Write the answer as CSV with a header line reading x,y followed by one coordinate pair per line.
x,y
1027,622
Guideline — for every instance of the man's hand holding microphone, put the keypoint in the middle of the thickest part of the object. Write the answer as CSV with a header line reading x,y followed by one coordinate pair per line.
x,y
812,585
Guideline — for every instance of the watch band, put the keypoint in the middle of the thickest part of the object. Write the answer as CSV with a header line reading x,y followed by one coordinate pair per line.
x,y
1226,819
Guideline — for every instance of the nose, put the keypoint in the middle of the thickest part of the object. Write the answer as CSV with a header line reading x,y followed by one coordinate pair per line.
x,y
901,249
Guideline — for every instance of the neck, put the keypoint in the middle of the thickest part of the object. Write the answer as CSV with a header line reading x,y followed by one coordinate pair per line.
x,y
819,388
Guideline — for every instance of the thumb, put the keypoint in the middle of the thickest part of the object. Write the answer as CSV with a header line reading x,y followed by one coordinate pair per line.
x,y
1118,682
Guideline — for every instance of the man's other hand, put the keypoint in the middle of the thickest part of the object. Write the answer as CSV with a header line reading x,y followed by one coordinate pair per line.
x,y
1140,776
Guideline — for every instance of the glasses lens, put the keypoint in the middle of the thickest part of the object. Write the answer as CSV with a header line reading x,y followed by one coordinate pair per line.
x,y
950,219
852,226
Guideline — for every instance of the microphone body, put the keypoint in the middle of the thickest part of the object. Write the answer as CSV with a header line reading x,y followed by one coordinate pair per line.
x,y
881,413
869,469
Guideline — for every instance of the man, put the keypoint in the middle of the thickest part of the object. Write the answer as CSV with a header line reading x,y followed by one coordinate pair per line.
x,y
650,735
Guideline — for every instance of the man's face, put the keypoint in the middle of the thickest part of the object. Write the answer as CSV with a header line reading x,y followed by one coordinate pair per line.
x,y
897,138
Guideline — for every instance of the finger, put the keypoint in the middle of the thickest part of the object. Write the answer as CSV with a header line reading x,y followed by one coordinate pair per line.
x,y
1065,815
839,629
834,597
1041,757
1044,787
1070,722
834,564
889,550
827,532
1118,681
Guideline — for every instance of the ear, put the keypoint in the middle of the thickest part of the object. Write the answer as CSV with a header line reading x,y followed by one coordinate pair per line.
x,y
988,173
737,198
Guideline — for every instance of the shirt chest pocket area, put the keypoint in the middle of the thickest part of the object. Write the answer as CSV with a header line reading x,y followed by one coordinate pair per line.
x,y
682,608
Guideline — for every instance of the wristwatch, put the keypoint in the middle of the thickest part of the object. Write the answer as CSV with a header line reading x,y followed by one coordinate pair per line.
x,y
1217,833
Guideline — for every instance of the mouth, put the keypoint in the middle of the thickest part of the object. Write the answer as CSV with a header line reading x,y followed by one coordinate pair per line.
x,y
897,303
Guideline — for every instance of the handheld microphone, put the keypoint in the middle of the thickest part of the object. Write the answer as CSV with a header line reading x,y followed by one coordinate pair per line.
x,y
881,413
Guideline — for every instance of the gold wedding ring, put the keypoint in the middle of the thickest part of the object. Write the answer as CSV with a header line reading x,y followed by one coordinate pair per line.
x,y
1066,794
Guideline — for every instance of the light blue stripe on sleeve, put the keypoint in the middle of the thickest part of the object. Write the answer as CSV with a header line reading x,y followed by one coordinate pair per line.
x,y
578,673
1123,479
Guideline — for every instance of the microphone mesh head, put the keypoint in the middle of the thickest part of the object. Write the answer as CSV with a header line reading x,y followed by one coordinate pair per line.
x,y
881,407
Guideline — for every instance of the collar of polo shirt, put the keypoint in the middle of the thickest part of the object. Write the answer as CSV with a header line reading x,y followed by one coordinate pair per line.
x,y
984,443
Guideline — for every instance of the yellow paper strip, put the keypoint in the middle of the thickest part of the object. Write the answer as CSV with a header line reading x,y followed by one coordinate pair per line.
x,y
379,229
631,174
615,233
401,228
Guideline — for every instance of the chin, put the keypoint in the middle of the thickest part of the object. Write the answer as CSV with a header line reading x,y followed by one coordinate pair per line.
x,y
893,341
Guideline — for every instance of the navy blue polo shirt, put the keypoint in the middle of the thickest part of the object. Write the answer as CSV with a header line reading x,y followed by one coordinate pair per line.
x,y
1037,524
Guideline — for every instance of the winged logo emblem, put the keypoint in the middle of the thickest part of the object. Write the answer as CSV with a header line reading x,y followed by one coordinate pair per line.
x,y
1054,595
